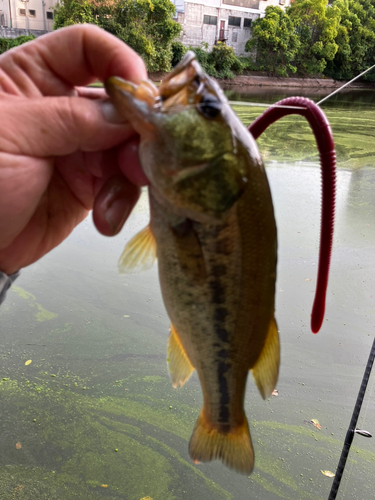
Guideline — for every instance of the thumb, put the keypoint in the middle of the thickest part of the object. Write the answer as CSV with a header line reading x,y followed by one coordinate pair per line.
x,y
56,126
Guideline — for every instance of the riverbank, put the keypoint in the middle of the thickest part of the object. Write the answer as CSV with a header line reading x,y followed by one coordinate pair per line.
x,y
267,81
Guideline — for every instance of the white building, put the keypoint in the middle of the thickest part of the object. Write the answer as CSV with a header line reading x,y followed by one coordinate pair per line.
x,y
210,21
19,17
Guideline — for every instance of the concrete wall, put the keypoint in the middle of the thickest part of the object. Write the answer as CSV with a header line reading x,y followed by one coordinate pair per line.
x,y
15,32
27,14
195,31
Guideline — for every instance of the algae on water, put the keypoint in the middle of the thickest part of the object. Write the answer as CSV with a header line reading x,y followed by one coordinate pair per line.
x,y
42,314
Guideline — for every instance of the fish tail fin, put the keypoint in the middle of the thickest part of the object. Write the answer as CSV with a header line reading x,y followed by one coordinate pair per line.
x,y
233,447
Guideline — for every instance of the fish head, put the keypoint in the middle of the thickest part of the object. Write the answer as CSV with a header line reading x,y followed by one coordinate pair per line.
x,y
194,150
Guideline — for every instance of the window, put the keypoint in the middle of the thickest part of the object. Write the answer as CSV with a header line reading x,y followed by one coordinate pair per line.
x,y
247,23
234,21
31,12
22,12
210,20
249,4
49,15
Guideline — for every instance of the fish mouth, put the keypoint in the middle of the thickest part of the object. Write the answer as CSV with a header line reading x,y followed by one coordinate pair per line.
x,y
187,86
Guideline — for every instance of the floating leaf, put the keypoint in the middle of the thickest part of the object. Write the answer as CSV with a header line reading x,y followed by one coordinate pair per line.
x,y
315,422
18,446
28,362
327,473
275,393
104,485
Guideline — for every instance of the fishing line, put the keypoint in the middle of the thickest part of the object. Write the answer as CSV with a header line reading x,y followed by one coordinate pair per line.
x,y
345,85
263,105
352,426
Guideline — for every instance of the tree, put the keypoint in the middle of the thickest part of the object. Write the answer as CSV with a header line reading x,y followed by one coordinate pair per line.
x,y
316,25
145,25
356,39
221,62
274,42
9,43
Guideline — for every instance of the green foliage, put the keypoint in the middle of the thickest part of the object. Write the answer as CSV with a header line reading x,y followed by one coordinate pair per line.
x,y
224,60
356,40
317,26
315,38
145,25
9,43
247,63
74,12
275,42
178,52
221,62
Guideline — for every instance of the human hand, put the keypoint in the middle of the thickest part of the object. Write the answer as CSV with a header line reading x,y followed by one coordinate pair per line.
x,y
63,148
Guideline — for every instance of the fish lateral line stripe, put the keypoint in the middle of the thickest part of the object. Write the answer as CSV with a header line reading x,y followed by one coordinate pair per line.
x,y
223,368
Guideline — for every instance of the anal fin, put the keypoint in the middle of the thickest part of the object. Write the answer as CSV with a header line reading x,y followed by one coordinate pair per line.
x,y
266,369
178,363
139,253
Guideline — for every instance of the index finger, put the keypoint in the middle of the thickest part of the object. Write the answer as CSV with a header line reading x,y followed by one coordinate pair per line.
x,y
77,55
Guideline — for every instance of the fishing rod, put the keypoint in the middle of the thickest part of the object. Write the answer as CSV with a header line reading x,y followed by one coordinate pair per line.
x,y
353,426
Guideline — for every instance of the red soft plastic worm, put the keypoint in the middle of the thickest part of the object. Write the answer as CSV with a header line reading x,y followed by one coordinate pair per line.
x,y
323,135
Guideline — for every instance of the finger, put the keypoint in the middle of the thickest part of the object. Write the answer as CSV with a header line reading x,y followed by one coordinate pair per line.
x,y
53,218
128,161
76,55
58,126
22,184
114,204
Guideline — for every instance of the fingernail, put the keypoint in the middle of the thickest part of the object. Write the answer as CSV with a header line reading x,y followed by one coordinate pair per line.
x,y
116,214
110,113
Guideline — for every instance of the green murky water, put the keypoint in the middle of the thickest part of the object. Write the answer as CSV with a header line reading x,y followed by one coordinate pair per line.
x,y
94,414
352,118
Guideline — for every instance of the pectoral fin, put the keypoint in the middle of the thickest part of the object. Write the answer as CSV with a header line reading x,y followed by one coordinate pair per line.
x,y
178,363
139,254
266,369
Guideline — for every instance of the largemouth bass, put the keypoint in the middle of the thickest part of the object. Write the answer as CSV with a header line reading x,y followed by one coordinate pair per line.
x,y
213,231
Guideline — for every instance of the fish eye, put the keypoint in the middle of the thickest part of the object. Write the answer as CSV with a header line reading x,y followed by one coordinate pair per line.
x,y
209,106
